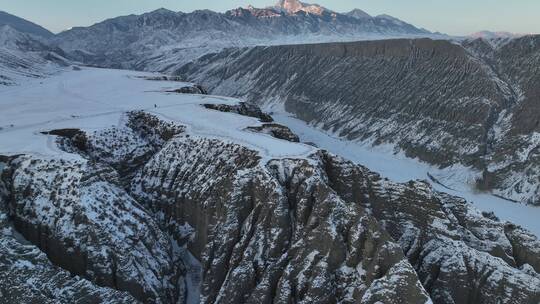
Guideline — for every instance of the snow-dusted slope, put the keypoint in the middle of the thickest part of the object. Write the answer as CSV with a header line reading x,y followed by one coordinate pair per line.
x,y
24,26
495,35
23,56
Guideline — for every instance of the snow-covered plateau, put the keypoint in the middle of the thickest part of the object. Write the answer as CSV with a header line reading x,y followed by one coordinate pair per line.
x,y
119,186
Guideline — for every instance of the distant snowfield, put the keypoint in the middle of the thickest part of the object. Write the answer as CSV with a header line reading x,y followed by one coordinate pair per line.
x,y
456,180
93,99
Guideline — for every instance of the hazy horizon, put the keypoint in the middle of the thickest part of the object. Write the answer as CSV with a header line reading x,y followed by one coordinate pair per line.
x,y
455,18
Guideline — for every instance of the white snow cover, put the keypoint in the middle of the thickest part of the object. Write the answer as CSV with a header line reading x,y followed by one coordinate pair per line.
x,y
456,180
94,99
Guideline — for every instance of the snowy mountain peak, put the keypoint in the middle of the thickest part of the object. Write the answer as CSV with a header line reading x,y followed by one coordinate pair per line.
x,y
358,14
294,6
163,10
151,41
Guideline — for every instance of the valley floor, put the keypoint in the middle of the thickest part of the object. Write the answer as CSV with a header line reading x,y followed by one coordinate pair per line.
x,y
399,168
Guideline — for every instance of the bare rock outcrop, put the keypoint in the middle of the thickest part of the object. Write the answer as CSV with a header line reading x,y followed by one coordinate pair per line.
x,y
242,108
194,89
277,131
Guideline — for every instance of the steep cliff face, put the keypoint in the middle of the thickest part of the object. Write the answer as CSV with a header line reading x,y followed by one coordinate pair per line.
x,y
514,163
438,101
272,233
451,245
430,93
77,214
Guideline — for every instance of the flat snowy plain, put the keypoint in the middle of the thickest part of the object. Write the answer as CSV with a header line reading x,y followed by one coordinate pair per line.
x,y
94,99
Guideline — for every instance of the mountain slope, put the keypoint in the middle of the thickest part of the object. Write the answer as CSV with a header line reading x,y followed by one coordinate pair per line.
x,y
438,101
14,39
24,26
22,57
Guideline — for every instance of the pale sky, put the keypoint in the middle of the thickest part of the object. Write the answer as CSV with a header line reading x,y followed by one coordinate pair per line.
x,y
456,17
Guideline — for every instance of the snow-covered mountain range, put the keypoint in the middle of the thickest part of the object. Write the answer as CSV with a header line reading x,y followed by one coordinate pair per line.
x,y
162,39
